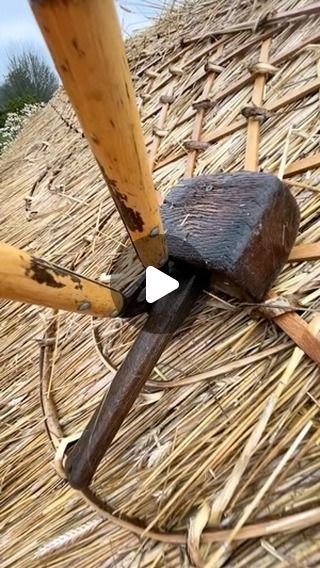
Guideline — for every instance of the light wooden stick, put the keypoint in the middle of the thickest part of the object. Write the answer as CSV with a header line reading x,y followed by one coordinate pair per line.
x,y
29,279
307,251
197,127
217,134
302,165
253,131
84,39
160,125
292,324
298,330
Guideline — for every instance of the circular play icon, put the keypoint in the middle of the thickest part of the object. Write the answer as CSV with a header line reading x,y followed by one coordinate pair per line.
x,y
158,284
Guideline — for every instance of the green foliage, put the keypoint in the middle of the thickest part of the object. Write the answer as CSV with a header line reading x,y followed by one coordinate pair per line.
x,y
3,116
15,105
14,122
29,80
28,76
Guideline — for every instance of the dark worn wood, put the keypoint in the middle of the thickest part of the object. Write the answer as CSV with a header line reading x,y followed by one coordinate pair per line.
x,y
165,317
235,228
239,226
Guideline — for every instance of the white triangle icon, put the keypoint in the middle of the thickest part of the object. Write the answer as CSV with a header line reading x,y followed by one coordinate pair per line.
x,y
158,284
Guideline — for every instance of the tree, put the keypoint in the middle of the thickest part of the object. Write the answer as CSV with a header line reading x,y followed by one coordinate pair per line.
x,y
29,81
28,77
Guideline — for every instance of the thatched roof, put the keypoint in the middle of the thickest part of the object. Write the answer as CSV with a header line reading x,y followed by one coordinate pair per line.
x,y
223,444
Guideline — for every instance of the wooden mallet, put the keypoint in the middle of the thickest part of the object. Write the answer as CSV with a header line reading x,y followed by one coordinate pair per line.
x,y
234,230
231,231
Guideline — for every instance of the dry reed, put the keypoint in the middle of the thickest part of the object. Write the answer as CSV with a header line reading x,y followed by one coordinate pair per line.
x,y
218,462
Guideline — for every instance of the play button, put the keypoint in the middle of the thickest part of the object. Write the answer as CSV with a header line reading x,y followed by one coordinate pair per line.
x,y
158,284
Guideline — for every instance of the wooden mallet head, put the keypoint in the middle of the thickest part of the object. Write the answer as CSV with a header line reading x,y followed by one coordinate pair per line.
x,y
240,227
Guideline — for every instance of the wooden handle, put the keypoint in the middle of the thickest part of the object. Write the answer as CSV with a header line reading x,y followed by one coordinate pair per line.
x,y
165,317
84,39
29,279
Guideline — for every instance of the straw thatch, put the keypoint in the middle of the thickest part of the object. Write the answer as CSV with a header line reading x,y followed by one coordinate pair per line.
x,y
219,459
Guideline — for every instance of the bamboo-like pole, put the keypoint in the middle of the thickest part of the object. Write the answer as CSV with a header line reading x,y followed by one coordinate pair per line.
x,y
84,39
253,129
26,278
198,123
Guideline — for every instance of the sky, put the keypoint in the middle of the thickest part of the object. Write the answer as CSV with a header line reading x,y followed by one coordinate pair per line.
x,y
18,27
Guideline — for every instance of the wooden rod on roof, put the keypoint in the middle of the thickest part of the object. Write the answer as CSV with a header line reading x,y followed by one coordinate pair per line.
x,y
200,114
303,165
29,279
253,128
305,252
254,25
84,39
308,89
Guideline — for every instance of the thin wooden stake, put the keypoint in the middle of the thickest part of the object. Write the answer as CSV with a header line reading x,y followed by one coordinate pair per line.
x,y
253,131
160,125
214,136
308,251
303,165
197,128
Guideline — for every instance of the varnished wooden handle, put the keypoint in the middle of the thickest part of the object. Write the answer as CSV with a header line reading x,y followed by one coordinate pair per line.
x,y
32,280
84,39
165,317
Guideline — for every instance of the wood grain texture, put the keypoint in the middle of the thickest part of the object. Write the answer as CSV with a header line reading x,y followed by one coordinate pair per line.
x,y
299,331
25,278
303,165
241,227
85,42
165,317
307,251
